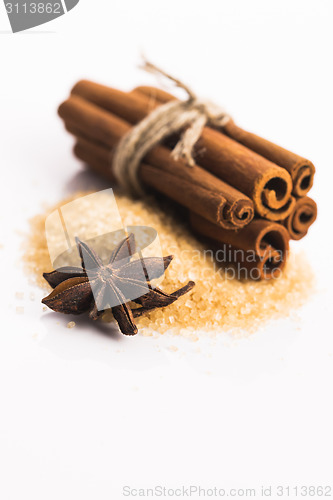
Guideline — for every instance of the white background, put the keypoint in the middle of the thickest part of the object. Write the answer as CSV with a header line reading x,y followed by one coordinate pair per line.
x,y
85,412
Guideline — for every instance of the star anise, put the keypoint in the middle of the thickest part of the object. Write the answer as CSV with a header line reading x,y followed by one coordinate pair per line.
x,y
96,287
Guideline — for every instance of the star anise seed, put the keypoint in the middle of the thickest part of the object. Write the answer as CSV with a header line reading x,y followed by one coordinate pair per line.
x,y
96,287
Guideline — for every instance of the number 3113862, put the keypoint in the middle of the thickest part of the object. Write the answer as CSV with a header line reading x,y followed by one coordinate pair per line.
x,y
33,8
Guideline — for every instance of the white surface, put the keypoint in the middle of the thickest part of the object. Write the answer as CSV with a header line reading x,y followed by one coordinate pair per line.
x,y
83,412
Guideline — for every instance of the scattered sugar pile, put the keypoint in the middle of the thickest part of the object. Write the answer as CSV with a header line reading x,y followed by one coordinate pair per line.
x,y
217,302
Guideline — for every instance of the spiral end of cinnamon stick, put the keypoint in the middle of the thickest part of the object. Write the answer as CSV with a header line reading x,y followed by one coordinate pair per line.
x,y
257,251
239,214
265,235
272,195
303,178
302,217
270,242
268,266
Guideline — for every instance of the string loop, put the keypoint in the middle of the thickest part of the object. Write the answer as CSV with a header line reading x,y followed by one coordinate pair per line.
x,y
187,117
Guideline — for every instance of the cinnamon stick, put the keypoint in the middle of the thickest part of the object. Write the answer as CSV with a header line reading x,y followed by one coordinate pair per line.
x,y
92,154
262,245
301,170
192,187
98,158
268,185
301,218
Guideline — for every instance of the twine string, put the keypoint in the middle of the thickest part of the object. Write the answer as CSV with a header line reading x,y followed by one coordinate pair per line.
x,y
187,117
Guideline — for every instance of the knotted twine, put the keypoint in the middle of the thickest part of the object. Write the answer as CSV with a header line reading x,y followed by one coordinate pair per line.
x,y
188,117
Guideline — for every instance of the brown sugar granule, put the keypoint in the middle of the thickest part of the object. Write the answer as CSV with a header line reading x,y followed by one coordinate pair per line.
x,y
217,302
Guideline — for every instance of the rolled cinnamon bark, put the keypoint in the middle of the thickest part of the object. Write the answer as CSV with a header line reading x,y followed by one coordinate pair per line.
x,y
301,218
98,158
94,155
301,170
192,187
268,185
263,245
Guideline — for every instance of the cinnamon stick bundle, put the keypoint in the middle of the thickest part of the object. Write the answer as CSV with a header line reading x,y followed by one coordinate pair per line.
x,y
262,245
301,170
193,187
237,175
267,240
301,218
267,184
